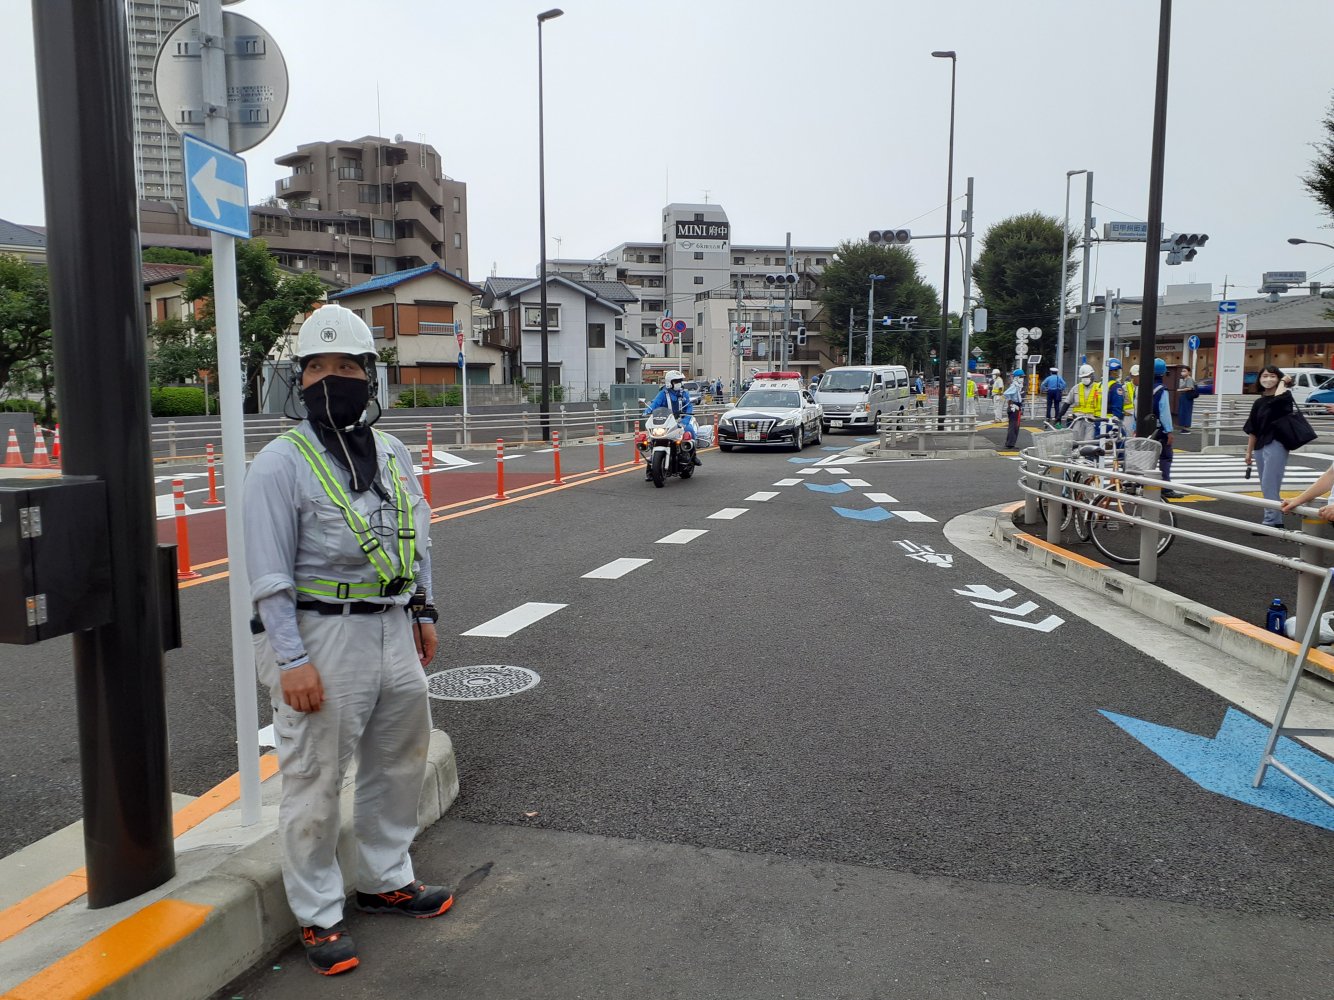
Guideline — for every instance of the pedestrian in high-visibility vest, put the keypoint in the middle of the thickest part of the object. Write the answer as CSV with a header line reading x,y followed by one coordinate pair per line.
x,y
338,546
1084,397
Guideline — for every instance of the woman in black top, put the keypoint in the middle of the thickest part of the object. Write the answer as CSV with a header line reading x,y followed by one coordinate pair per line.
x,y
1268,453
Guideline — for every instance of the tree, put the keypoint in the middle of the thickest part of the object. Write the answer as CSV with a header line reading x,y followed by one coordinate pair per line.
x,y
1320,182
1018,276
166,255
268,298
845,285
25,329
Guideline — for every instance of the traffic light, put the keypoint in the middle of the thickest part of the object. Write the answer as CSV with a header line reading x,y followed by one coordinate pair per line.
x,y
890,236
908,321
1183,246
801,336
781,280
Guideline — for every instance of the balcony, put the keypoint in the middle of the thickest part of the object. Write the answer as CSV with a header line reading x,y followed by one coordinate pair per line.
x,y
416,211
496,337
296,186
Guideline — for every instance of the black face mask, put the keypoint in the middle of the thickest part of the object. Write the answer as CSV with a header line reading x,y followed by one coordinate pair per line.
x,y
337,401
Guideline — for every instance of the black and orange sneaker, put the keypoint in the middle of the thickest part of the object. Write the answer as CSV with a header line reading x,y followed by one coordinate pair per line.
x,y
413,900
329,950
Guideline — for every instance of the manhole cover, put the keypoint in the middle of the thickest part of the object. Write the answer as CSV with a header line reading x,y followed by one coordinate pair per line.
x,y
478,683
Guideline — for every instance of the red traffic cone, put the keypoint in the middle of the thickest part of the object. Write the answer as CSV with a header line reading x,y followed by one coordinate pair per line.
x,y
40,459
12,454
55,446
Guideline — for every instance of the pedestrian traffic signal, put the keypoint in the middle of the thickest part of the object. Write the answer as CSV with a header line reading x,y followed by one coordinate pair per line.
x,y
801,336
780,279
890,236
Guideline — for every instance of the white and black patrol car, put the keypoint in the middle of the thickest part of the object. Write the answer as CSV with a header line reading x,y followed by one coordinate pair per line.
x,y
777,409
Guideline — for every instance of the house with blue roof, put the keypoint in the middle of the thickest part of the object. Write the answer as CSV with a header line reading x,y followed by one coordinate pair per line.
x,y
415,312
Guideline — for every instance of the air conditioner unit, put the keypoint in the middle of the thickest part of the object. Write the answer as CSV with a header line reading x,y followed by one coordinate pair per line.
x,y
476,336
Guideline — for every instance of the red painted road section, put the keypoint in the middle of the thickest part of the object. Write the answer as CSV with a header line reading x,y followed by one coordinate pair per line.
x,y
208,531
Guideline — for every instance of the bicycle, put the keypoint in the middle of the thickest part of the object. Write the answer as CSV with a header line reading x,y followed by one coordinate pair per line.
x,y
1072,444
1114,526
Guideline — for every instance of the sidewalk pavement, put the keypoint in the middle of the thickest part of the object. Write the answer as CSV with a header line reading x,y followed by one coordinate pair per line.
x,y
222,912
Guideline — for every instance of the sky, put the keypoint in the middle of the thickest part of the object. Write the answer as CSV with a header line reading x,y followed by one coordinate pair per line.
x,y
823,120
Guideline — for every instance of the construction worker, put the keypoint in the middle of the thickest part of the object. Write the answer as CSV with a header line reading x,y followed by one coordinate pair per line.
x,y
1132,386
338,546
1084,397
997,395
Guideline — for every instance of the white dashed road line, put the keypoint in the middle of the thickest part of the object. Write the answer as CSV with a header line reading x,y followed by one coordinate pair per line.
x,y
763,495
914,515
682,537
787,482
880,498
616,569
856,482
727,514
506,625
807,472
837,472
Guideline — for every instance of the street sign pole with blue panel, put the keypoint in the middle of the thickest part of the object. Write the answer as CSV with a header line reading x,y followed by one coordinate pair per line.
x,y
215,188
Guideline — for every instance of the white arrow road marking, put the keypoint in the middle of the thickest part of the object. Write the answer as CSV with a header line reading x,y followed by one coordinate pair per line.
x,y
214,189
763,495
1046,625
616,569
880,498
985,593
683,536
914,515
1027,608
727,514
856,482
787,482
504,626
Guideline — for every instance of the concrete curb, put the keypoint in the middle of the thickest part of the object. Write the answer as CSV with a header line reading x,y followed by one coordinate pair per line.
x,y
1238,639
232,869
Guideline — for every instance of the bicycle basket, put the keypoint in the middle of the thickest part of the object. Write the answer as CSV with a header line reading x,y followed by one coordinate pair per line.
x,y
1054,445
1141,456
1083,429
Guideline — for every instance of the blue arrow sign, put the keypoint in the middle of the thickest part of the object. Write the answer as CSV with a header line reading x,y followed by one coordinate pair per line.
x,y
831,488
1227,306
873,514
1226,764
215,188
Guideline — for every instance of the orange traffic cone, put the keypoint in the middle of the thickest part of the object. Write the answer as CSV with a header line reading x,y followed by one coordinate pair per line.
x,y
55,446
12,454
40,459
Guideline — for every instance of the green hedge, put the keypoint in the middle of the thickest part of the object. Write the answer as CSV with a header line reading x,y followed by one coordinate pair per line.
x,y
177,401
20,406
450,397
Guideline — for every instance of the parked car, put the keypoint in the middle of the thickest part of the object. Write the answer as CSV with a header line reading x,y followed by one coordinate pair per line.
x,y
1306,381
779,414
696,393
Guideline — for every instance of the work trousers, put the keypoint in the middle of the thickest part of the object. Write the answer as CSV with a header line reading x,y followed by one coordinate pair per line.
x,y
1012,430
998,406
375,707
1270,463
1164,457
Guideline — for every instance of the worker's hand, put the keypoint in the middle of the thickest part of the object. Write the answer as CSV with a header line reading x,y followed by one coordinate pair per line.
x,y
302,688
1327,512
423,633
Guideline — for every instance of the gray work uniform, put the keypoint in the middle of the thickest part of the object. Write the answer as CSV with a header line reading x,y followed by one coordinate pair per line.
x,y
374,687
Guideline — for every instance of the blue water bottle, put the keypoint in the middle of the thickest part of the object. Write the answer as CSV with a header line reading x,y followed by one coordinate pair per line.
x,y
1277,617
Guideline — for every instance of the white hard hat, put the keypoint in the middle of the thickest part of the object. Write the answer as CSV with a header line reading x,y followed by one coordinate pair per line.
x,y
674,376
995,371
1134,369
332,329
1085,370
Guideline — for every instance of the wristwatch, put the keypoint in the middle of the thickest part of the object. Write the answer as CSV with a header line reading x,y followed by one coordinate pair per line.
x,y
426,613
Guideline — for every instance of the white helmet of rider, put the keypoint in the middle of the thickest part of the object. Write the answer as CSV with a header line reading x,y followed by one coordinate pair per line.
x,y
332,329
1085,371
672,377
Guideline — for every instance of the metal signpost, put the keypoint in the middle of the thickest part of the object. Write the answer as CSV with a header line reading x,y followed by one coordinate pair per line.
x,y
463,377
224,76
1229,358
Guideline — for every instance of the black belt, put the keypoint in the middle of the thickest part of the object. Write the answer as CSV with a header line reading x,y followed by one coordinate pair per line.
x,y
348,608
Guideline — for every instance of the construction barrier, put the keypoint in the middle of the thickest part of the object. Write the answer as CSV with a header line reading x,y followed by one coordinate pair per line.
x,y
40,459
602,452
555,454
183,570
212,500
426,474
500,468
12,454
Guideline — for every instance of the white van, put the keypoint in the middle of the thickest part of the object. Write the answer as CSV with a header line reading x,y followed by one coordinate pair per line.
x,y
853,397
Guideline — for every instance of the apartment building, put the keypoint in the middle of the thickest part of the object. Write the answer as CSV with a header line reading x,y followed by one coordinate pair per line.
x,y
158,171
699,275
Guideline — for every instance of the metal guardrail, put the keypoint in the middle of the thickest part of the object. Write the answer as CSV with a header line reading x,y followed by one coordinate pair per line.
x,y
896,427
187,439
1315,539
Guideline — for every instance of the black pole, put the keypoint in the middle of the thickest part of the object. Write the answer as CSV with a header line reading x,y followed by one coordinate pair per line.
x,y
542,235
949,222
83,90
1149,325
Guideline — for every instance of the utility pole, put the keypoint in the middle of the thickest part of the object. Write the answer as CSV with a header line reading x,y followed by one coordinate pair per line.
x,y
1081,331
850,315
1149,316
966,319
787,307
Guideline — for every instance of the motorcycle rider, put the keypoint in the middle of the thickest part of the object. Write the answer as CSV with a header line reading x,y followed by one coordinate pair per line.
x,y
673,395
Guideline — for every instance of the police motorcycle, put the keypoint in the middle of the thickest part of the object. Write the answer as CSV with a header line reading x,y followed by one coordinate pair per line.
x,y
667,447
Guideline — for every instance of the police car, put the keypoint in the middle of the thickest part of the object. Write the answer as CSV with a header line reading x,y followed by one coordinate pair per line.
x,y
777,409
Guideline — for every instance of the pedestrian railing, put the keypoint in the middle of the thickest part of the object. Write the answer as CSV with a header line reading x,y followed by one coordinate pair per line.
x,y
895,428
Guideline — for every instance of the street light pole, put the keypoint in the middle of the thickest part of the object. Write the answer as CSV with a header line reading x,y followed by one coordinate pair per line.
x,y
870,315
542,227
1295,240
949,218
1065,259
